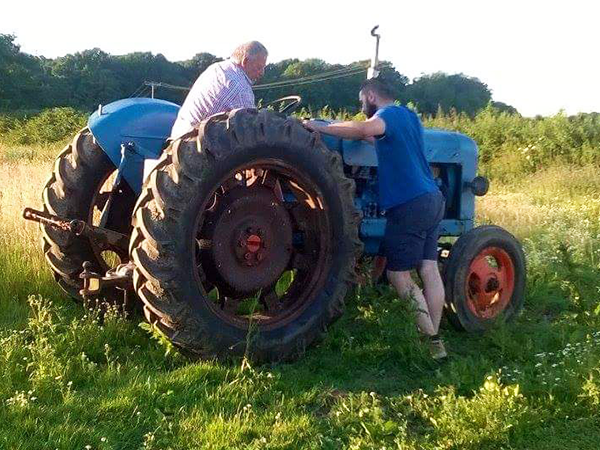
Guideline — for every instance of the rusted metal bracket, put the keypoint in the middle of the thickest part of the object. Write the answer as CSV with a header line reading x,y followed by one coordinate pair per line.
x,y
102,237
93,283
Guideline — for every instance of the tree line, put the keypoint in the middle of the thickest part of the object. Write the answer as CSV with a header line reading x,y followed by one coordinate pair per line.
x,y
85,79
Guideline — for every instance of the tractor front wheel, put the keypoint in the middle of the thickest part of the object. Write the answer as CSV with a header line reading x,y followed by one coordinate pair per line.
x,y
484,278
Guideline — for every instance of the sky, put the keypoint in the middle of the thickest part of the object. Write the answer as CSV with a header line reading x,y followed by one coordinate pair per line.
x,y
539,56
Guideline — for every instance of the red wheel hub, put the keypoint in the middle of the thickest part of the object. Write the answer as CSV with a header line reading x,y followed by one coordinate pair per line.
x,y
253,243
490,282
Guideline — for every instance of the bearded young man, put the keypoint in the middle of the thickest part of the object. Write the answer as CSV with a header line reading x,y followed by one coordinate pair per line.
x,y
413,202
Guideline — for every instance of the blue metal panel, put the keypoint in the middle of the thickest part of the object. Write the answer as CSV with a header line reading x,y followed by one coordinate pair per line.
x,y
468,152
145,122
360,153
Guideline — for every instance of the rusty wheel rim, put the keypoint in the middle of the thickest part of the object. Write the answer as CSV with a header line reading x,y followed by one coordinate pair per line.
x,y
490,283
263,222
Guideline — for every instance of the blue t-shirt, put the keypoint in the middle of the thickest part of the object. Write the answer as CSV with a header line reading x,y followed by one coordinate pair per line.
x,y
404,173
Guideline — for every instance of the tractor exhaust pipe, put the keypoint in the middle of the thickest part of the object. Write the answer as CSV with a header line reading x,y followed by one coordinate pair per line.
x,y
373,71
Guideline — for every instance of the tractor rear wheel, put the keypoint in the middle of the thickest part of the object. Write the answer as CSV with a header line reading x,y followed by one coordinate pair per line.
x,y
77,190
245,238
484,278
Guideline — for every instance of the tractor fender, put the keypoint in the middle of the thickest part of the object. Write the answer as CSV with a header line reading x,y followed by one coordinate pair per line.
x,y
142,125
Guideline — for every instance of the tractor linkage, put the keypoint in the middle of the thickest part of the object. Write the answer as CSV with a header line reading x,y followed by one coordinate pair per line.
x,y
104,239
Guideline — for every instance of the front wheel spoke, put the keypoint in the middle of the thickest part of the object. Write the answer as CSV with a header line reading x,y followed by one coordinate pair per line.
x,y
481,267
500,275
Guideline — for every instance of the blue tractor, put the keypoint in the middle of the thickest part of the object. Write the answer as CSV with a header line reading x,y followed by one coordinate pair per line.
x,y
246,233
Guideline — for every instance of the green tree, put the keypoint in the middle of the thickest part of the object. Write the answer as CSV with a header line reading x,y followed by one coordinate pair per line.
x,y
133,69
503,107
440,90
22,79
84,79
199,63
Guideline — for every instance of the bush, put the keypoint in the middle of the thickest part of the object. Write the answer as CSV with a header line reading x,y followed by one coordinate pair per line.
x,y
7,123
49,126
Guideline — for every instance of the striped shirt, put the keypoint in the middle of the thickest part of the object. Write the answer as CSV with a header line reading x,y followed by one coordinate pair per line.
x,y
223,86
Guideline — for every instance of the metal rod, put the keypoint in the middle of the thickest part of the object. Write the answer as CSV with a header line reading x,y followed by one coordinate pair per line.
x,y
374,69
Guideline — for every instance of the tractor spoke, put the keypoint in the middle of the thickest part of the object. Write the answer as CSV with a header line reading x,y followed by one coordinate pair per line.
x,y
481,267
101,199
270,300
262,223
303,197
500,275
270,180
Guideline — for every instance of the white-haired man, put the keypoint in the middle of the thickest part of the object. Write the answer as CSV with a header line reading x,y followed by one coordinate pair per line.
x,y
223,86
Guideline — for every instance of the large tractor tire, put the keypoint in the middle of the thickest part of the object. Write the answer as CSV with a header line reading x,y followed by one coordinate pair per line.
x,y
245,238
484,278
74,192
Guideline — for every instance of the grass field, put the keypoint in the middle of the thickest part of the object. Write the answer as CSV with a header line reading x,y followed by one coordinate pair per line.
x,y
72,381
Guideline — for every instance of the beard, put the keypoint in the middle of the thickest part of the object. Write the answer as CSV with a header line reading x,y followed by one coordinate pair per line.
x,y
369,109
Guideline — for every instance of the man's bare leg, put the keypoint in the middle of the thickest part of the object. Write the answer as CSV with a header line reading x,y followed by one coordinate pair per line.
x,y
433,290
406,287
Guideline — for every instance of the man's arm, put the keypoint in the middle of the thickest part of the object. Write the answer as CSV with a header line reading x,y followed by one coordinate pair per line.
x,y
350,130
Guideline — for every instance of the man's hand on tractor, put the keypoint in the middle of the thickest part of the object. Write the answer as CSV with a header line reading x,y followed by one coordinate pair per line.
x,y
310,125
349,130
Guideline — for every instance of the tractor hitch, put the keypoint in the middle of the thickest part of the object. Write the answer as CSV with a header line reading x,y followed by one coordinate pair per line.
x,y
93,283
102,237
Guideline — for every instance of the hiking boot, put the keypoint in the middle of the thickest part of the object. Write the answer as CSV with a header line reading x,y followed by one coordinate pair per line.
x,y
437,349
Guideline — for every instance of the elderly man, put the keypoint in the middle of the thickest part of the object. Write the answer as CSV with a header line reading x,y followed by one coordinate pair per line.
x,y
414,204
222,87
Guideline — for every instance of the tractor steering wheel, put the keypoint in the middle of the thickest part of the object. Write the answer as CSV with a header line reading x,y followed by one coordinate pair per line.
x,y
295,102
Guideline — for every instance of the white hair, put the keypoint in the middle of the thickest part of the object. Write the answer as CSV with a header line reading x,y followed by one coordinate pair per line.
x,y
250,49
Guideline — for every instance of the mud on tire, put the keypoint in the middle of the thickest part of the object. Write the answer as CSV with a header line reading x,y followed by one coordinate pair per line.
x,y
172,209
